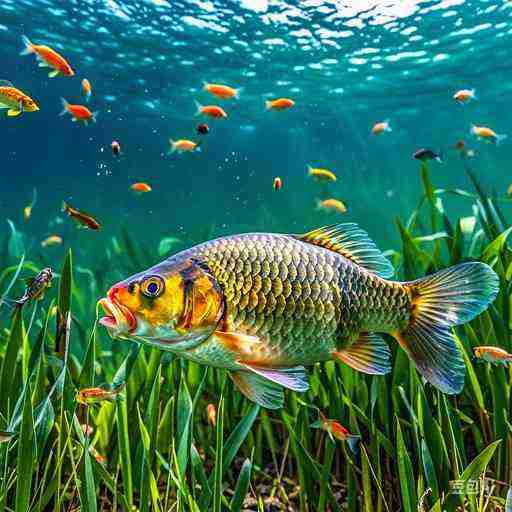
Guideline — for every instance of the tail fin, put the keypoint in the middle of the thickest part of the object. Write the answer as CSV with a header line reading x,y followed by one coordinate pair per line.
x,y
28,48
447,298
64,110
353,442
499,138
268,105
95,115
199,108
173,148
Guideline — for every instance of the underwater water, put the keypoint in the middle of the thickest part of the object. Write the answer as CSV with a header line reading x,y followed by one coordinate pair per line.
x,y
101,423
347,65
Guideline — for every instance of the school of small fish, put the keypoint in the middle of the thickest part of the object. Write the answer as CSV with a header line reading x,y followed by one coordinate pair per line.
x,y
215,303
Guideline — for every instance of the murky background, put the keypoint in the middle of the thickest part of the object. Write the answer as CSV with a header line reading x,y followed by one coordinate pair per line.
x,y
346,64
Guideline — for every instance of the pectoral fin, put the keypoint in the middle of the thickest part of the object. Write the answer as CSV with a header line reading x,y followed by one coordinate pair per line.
x,y
13,112
258,389
292,378
53,73
239,343
369,354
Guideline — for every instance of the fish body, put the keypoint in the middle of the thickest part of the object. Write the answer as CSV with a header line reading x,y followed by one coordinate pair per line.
x,y
6,436
184,146
141,187
211,412
278,183
90,396
279,104
331,204
213,111
486,133
202,129
265,305
337,431
493,354
381,127
82,218
48,57
321,174
36,286
14,100
51,240
425,155
464,95
221,91
79,113
86,89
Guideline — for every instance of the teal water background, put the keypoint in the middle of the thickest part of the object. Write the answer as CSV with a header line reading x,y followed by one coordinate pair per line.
x,y
346,64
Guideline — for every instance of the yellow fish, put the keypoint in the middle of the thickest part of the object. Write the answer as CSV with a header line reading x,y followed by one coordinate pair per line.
x,y
331,204
15,100
321,174
264,305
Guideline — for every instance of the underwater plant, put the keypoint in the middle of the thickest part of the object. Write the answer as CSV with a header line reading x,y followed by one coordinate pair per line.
x,y
153,444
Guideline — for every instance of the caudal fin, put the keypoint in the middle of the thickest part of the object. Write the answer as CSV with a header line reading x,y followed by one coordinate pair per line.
x,y
447,298
65,105
28,46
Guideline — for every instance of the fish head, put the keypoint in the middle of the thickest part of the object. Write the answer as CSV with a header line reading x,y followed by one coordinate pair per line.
x,y
29,105
175,305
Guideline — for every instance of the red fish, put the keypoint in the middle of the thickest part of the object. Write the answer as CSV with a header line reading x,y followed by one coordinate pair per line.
x,y
48,58
79,113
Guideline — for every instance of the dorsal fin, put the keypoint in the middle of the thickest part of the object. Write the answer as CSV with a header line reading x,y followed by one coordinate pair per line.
x,y
351,241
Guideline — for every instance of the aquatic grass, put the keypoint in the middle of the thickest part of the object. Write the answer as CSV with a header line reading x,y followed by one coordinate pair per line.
x,y
155,449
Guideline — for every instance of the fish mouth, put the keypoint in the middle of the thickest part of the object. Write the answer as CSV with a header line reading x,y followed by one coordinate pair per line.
x,y
118,319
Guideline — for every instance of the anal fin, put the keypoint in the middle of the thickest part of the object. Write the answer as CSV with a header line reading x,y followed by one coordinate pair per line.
x,y
369,354
258,389
294,377
13,112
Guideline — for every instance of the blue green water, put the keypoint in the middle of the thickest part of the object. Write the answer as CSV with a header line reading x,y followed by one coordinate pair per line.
x,y
346,64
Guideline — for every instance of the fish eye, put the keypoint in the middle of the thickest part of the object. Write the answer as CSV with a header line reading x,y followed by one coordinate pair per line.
x,y
152,287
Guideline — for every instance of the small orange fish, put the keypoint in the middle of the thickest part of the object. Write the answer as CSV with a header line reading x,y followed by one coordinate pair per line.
x,y
27,211
331,204
336,431
221,91
492,354
211,412
381,127
97,456
89,396
183,146
84,219
485,133
278,183
51,240
212,111
86,89
141,187
48,58
464,95
279,104
321,174
79,113
14,100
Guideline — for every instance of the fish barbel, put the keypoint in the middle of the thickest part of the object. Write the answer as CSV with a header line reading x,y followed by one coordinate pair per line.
x,y
263,306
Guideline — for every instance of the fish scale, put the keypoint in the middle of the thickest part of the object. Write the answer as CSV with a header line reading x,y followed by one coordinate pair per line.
x,y
302,299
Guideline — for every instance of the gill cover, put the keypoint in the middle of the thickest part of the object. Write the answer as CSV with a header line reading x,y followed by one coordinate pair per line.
x,y
203,299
